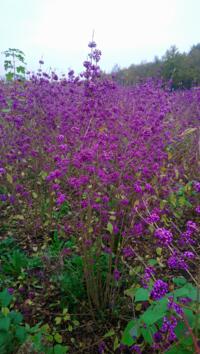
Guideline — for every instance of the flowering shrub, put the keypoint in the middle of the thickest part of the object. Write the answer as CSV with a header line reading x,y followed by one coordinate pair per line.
x,y
168,322
114,168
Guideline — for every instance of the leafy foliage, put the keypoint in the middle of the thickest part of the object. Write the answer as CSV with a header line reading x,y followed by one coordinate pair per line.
x,y
14,64
150,324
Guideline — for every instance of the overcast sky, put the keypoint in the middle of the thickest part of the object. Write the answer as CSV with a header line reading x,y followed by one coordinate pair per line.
x,y
128,31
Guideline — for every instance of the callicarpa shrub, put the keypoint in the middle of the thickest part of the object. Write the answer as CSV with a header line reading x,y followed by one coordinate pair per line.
x,y
119,165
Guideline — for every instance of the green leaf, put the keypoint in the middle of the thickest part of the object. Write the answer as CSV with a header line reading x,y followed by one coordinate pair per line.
x,y
152,262
76,323
70,328
9,178
4,324
187,341
109,333
172,199
141,295
190,317
110,227
178,350
16,317
35,196
147,335
21,334
60,349
179,281
182,201
9,76
188,290
5,311
5,110
159,251
180,330
155,312
184,291
58,320
21,69
130,333
116,344
58,338
4,339
135,270
5,298
130,292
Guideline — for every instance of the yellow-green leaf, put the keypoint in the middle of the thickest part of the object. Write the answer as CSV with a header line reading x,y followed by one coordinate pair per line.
x,y
58,338
9,178
19,217
58,320
70,328
159,251
5,311
116,344
109,333
67,317
110,227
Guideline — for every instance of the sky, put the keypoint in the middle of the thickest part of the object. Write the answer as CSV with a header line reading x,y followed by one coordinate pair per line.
x,y
127,32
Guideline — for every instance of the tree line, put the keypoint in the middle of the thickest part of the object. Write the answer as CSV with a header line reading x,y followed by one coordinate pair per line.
x,y
182,70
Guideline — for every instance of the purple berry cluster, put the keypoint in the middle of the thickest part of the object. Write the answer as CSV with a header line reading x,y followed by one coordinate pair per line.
x,y
160,289
163,236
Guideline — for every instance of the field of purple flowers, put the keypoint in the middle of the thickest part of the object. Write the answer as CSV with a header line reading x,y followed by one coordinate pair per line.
x,y
99,215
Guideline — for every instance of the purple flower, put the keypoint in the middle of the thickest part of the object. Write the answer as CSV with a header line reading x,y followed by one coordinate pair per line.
x,y
11,291
189,255
66,251
22,290
197,209
165,336
128,252
105,199
185,300
12,199
55,187
107,250
137,187
101,347
149,271
174,306
138,229
53,175
2,171
115,229
84,203
177,262
186,238
31,294
61,198
136,349
149,188
197,186
168,327
159,290
152,218
157,337
116,274
191,226
164,236
92,44
60,138
3,197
